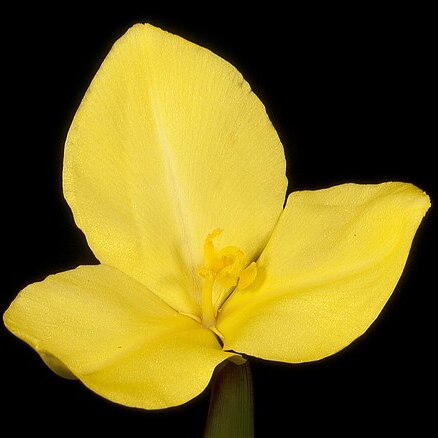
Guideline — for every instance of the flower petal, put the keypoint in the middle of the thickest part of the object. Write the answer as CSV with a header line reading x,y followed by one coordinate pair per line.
x,y
168,144
119,339
330,266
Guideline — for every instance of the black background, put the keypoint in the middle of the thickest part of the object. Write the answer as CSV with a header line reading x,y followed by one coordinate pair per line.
x,y
349,93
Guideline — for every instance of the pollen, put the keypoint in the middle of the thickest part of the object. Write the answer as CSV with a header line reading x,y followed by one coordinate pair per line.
x,y
224,271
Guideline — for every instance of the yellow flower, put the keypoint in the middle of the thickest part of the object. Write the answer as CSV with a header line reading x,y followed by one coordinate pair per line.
x,y
177,178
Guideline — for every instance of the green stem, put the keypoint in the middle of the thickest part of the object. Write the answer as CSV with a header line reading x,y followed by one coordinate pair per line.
x,y
231,411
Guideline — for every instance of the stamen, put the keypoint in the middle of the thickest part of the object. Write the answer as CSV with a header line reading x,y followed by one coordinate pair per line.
x,y
208,312
224,269
247,276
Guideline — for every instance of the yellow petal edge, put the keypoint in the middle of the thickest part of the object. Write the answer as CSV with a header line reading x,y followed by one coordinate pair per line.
x,y
328,270
168,144
97,324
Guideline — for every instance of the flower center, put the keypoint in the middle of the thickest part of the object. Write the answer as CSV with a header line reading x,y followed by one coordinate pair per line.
x,y
223,270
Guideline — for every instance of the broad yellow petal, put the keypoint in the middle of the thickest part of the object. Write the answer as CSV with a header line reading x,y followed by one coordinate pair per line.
x,y
330,266
168,144
108,330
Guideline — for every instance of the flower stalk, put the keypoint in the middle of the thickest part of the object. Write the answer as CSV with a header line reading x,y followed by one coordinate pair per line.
x,y
231,410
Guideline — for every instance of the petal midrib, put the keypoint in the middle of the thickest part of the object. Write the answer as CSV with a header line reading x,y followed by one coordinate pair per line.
x,y
182,214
